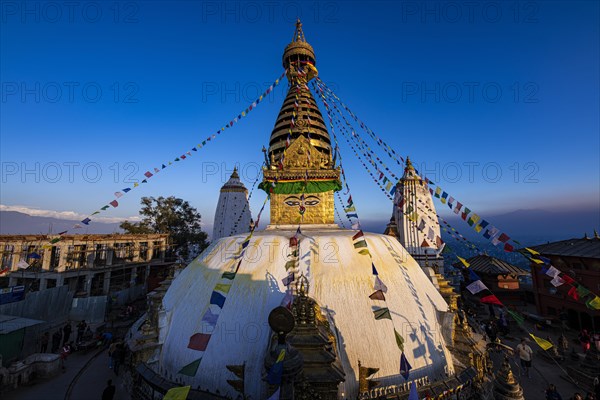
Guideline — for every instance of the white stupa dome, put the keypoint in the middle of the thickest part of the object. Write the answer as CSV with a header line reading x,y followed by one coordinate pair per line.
x,y
341,281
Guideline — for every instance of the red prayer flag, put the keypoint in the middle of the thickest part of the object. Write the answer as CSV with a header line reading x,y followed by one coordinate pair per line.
x,y
491,299
567,279
148,174
378,295
573,292
503,237
508,248
424,244
359,234
114,203
199,341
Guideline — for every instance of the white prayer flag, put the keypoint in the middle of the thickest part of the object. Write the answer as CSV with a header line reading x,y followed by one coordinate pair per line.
x,y
557,281
476,287
22,264
553,272
379,285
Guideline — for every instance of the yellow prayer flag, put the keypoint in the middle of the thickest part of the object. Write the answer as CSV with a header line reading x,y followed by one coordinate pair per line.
x,y
595,303
535,260
364,252
135,184
535,253
281,356
222,287
478,228
462,260
544,344
177,393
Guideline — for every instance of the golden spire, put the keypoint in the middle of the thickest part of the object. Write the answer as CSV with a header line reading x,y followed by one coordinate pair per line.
x,y
300,176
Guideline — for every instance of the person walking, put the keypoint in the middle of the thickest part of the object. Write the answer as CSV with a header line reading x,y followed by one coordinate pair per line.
x,y
585,340
67,332
112,354
56,339
552,393
81,330
525,354
118,357
109,391
44,341
577,396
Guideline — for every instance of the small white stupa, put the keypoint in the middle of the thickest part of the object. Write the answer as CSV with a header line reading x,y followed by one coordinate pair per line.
x,y
232,216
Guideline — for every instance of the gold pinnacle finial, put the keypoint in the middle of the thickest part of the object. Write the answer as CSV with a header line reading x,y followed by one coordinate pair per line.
x,y
409,165
298,34
235,173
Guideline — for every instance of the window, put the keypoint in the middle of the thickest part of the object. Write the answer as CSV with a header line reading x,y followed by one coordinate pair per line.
x,y
7,256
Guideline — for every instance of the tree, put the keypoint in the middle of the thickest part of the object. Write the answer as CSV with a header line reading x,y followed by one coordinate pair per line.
x,y
172,216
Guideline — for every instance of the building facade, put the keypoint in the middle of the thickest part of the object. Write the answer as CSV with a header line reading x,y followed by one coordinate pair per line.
x,y
580,259
91,265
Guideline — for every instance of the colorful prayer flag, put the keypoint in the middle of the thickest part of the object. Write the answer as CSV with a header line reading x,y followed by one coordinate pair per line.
x,y
491,299
535,253
405,368
114,203
199,341
377,295
476,287
364,252
399,340
191,368
544,344
360,243
217,299
379,285
594,303
382,313
358,235
222,287
462,260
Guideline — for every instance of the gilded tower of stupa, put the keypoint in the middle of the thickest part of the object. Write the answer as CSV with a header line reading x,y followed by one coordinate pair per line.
x,y
301,174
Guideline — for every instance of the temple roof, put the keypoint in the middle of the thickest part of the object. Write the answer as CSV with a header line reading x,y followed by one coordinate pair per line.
x,y
485,264
584,247
234,182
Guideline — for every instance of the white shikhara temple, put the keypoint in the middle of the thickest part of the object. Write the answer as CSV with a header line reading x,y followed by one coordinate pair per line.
x,y
232,215
212,324
414,221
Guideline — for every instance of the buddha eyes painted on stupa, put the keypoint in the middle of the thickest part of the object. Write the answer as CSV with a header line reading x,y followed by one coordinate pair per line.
x,y
294,201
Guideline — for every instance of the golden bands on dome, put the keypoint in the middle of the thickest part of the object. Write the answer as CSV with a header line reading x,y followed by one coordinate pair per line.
x,y
232,189
300,175
298,49
308,121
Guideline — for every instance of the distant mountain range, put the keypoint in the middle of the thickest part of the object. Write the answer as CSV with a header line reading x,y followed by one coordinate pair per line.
x,y
531,226
527,226
16,223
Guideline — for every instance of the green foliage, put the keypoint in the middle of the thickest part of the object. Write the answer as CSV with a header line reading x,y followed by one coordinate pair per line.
x,y
172,216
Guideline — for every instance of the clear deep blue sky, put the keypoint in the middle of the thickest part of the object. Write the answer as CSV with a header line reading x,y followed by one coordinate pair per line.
x,y
508,85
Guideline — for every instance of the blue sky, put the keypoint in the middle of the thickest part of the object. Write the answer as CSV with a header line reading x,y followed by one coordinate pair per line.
x,y
467,91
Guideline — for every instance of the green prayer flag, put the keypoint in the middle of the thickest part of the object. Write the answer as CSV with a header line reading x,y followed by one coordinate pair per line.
x,y
191,368
359,244
582,291
55,240
399,340
290,264
517,317
228,275
382,313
